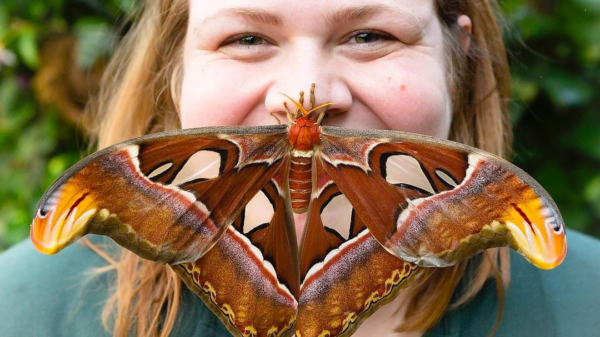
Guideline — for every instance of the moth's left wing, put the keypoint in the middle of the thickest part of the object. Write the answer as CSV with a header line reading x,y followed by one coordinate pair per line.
x,y
167,197
434,202
249,279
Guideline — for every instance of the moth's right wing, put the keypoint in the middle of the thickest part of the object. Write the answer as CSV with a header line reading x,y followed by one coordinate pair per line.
x,y
346,274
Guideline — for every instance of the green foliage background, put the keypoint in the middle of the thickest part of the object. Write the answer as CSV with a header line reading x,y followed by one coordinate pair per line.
x,y
555,58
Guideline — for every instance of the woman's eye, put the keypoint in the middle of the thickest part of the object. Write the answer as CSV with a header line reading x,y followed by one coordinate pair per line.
x,y
244,40
248,46
369,37
366,38
251,40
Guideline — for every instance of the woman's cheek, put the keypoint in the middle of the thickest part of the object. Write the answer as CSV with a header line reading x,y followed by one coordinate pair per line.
x,y
414,99
214,94
421,111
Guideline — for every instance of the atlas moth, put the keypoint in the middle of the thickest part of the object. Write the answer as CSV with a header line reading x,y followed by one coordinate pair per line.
x,y
217,205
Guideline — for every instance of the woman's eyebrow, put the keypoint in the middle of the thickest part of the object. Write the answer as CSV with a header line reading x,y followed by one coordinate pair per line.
x,y
349,14
339,17
248,13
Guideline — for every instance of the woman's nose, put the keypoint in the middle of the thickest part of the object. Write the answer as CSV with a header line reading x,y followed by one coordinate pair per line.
x,y
298,75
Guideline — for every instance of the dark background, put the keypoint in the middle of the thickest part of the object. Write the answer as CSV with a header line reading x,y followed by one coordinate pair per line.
x,y
52,53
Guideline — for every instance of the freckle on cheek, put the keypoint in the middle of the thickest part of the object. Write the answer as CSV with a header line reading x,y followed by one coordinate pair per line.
x,y
403,87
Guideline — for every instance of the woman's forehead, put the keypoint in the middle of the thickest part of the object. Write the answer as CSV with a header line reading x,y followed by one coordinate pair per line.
x,y
330,12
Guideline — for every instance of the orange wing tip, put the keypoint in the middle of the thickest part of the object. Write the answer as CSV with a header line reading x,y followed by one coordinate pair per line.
x,y
537,231
547,262
50,235
543,251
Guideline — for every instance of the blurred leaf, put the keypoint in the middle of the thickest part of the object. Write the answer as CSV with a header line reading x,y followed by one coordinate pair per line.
x,y
523,89
592,194
57,165
528,21
554,180
127,6
8,95
591,5
577,219
11,225
3,21
95,40
568,198
586,134
591,53
516,111
56,4
567,90
28,49
37,10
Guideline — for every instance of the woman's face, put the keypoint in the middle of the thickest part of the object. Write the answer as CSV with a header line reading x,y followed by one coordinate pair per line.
x,y
382,62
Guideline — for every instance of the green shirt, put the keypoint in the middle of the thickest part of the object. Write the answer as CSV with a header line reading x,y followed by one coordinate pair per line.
x,y
53,296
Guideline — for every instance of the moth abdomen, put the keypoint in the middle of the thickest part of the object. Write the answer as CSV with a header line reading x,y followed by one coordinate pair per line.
x,y
300,182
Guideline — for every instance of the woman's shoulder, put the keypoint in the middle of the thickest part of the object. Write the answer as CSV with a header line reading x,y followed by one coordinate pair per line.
x,y
572,291
559,302
583,252
51,295
56,295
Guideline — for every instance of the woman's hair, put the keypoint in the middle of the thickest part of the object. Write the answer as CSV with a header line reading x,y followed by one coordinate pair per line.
x,y
140,94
